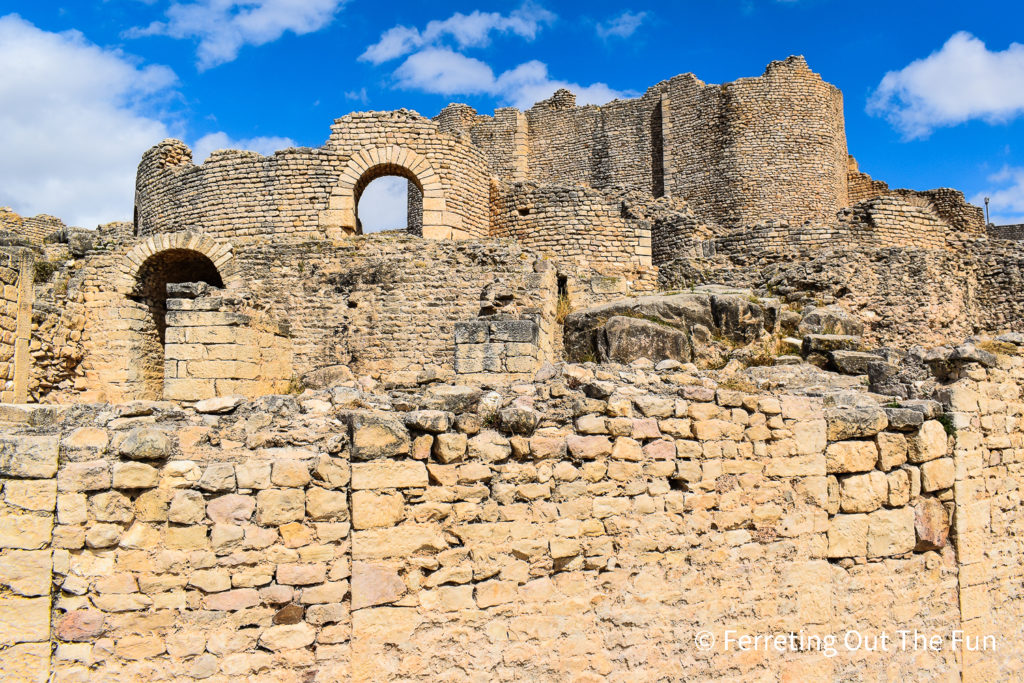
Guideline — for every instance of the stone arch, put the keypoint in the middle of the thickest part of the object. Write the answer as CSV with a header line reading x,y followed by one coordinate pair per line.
x,y
370,163
219,253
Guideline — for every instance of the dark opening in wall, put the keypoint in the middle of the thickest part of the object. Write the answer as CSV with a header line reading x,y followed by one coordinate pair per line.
x,y
524,212
150,295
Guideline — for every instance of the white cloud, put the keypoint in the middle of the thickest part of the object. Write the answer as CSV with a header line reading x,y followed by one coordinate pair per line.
x,y
73,124
465,30
962,81
444,72
1006,196
210,142
622,26
223,27
384,204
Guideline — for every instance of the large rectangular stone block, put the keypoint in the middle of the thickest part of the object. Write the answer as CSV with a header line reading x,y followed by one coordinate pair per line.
x,y
24,620
513,331
29,456
387,474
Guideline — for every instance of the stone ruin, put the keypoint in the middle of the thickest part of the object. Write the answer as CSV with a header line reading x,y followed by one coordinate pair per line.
x,y
668,365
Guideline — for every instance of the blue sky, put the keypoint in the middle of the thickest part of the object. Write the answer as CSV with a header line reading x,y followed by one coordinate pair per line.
x,y
934,91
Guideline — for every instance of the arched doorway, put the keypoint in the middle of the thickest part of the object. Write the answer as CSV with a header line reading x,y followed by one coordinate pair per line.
x,y
388,197
150,296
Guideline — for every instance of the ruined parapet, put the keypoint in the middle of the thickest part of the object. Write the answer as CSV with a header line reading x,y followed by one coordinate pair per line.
x,y
1006,232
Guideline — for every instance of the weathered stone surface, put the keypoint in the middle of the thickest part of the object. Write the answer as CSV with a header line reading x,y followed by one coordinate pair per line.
x,y
931,524
29,456
147,443
231,509
374,585
378,437
848,536
863,492
830,320
24,530
845,457
904,419
219,405
27,572
929,443
280,506
624,340
450,447
80,625
938,474
324,505
853,362
433,421
290,473
288,637
31,494
891,532
93,475
519,418
187,507
452,398
828,343
386,474
401,541
135,475
111,506
371,510
849,422
892,450
24,620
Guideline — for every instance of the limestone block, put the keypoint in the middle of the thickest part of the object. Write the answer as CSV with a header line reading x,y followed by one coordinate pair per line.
x,y
891,532
29,456
378,437
92,438
299,574
929,443
325,505
24,530
280,506
850,456
26,663
231,509
899,488
24,620
111,506
147,443
382,474
401,541
938,474
29,494
848,536
371,510
93,475
232,600
135,475
848,422
187,507
892,450
589,447
187,537
288,637
450,447
140,647
27,572
290,473
433,421
489,446
863,492
253,475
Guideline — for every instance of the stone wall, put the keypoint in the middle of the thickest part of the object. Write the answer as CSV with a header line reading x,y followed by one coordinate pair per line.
x,y
772,147
590,524
1006,232
16,282
302,193
874,223
35,228
571,223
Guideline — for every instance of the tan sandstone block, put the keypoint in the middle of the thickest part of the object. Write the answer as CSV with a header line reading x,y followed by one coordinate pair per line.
x,y
863,492
850,456
384,474
848,536
24,620
891,532
938,474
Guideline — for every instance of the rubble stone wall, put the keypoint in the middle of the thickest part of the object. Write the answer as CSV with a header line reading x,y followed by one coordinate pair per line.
x,y
16,282
1006,232
590,524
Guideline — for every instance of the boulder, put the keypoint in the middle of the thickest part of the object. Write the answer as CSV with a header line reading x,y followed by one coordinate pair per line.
x,y
624,340
830,320
829,343
853,362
